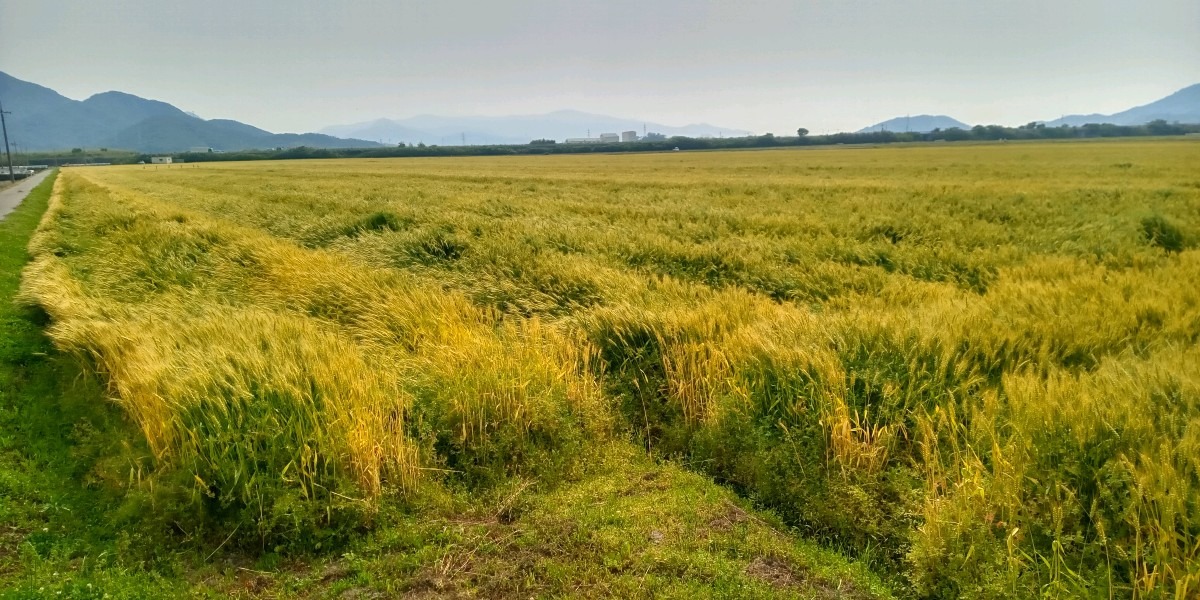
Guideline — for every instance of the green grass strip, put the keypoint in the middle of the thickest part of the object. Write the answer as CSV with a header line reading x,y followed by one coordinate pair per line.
x,y
15,231
61,531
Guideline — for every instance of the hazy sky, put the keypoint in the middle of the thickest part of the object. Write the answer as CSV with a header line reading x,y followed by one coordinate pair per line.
x,y
762,65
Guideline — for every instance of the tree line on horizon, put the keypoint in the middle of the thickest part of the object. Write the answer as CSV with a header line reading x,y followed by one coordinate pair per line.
x,y
656,142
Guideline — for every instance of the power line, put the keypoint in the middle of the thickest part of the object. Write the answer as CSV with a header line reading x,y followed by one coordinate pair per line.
x,y
4,125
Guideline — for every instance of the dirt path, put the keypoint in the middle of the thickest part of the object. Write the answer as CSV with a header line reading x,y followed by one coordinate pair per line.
x,y
12,195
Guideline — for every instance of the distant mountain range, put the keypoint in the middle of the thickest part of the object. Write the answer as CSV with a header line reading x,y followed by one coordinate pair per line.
x,y
43,119
1181,107
517,129
916,124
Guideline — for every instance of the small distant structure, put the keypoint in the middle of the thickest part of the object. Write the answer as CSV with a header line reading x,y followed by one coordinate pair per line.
x,y
609,138
200,150
629,136
586,140
160,160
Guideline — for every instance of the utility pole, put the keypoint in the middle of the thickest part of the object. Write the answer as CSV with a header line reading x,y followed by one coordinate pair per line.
x,y
4,125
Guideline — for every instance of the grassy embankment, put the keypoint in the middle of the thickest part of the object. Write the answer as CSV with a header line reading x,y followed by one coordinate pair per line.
x,y
105,502
973,367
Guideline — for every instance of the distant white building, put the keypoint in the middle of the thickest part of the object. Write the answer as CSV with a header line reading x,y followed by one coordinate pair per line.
x,y
160,160
628,136
608,138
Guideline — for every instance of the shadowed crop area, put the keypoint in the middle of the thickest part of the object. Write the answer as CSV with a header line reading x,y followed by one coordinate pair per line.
x,y
973,370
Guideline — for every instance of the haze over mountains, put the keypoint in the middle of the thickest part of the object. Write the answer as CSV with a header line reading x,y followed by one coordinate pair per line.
x,y
42,119
916,124
1181,107
517,129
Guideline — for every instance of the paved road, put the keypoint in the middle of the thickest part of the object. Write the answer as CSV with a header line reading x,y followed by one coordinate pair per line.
x,y
11,196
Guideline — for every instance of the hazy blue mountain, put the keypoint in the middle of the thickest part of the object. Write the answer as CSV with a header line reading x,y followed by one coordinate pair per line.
x,y
43,119
380,130
1182,107
122,110
514,129
173,133
916,124
29,98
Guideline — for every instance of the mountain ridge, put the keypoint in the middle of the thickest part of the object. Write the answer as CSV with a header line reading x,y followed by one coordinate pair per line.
x,y
1182,106
513,129
42,119
915,124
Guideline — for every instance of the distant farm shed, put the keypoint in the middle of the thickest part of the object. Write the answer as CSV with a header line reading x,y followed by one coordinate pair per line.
x,y
160,160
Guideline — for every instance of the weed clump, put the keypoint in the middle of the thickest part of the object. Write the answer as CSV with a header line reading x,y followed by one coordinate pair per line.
x,y
380,221
1161,232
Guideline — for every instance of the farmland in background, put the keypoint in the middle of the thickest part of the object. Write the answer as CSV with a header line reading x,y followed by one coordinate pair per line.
x,y
973,368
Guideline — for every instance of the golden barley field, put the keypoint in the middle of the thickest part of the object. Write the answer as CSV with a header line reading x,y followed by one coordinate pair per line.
x,y
975,366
